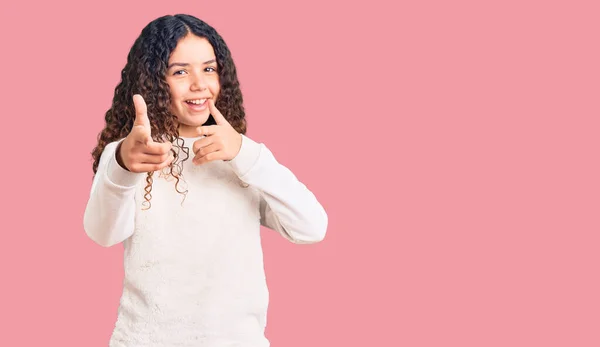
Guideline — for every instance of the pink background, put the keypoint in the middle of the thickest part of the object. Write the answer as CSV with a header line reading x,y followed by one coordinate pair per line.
x,y
454,146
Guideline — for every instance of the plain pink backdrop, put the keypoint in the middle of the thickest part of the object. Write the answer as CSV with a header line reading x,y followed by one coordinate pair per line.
x,y
454,146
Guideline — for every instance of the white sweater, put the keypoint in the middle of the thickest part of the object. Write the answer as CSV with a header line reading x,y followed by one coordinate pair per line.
x,y
194,272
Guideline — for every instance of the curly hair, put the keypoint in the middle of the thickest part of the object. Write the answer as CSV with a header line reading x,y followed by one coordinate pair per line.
x,y
144,74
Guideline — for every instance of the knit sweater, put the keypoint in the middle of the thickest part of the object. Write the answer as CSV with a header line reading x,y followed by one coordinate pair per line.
x,y
193,267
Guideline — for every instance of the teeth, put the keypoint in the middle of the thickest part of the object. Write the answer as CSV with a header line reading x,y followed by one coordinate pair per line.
x,y
197,101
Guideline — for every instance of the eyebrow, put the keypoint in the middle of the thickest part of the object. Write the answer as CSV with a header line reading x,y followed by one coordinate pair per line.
x,y
187,64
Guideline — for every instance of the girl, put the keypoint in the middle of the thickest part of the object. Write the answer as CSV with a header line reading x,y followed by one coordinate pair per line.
x,y
179,183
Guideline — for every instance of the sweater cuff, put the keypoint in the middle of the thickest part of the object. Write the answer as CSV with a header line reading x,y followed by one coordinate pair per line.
x,y
247,156
119,176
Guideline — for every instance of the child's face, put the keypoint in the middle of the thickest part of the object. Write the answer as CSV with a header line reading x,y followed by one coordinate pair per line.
x,y
193,78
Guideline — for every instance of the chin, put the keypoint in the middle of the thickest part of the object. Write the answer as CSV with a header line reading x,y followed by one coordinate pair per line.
x,y
195,121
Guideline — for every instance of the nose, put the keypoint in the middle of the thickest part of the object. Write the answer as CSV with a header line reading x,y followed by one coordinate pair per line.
x,y
198,83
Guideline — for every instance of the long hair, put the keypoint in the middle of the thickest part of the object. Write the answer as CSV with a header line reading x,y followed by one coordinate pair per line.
x,y
144,74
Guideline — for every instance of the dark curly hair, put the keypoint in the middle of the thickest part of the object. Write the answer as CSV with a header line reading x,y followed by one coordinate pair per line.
x,y
144,74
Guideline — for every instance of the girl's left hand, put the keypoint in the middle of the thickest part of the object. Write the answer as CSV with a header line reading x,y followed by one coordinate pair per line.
x,y
221,141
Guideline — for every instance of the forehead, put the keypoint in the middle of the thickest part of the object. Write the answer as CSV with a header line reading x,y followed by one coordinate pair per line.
x,y
192,49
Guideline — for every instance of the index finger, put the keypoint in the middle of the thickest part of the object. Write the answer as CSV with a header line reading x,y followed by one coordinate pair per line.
x,y
207,130
217,115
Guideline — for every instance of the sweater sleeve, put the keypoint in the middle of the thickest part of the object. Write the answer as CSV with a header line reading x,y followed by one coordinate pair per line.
x,y
110,212
287,205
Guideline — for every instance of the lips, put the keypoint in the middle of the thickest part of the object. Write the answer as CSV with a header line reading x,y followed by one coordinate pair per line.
x,y
196,101
197,105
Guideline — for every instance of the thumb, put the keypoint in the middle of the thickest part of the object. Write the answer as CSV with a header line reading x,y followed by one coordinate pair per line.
x,y
141,112
141,117
217,115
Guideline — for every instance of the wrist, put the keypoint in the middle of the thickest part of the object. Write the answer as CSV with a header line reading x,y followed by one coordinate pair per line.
x,y
118,174
239,147
247,156
119,157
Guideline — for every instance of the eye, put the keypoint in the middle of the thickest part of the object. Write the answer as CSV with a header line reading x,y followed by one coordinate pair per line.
x,y
178,72
211,69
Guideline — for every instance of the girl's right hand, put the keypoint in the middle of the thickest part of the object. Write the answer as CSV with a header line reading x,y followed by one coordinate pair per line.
x,y
138,152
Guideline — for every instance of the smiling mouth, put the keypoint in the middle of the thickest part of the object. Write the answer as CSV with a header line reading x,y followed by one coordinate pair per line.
x,y
197,105
196,102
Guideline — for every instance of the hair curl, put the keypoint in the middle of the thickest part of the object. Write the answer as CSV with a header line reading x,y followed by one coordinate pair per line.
x,y
144,74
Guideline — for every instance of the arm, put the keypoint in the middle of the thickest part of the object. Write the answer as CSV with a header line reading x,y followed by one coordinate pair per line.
x,y
110,212
287,206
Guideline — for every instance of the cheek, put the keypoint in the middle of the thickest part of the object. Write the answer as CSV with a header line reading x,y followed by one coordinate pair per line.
x,y
175,93
175,89
215,87
175,100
